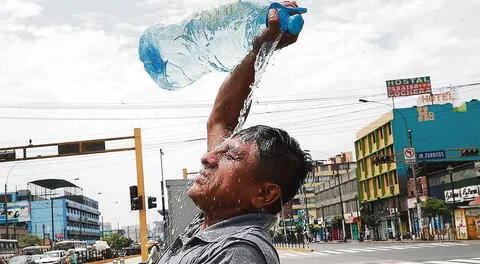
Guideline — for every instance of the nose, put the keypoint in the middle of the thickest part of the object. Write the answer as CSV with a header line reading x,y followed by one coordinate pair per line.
x,y
210,159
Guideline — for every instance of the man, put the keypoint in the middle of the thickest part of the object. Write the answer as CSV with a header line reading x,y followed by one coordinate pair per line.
x,y
245,177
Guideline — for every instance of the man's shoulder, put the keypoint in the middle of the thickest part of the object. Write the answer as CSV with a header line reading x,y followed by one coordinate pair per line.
x,y
255,238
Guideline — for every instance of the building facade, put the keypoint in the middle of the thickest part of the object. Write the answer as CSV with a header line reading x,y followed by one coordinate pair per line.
x,y
331,205
389,189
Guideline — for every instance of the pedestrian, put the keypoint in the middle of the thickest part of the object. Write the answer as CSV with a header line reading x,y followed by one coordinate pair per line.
x,y
245,177
154,251
73,256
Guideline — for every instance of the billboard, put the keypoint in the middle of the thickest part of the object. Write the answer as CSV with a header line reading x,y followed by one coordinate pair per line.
x,y
408,87
17,212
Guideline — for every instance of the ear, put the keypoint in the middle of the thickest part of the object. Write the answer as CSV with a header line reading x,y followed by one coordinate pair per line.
x,y
267,194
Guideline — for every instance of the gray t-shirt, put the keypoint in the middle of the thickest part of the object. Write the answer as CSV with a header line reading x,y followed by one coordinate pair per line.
x,y
240,239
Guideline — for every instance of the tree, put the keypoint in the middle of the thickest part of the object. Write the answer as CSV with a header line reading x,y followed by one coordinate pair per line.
x,y
336,221
117,241
29,240
434,207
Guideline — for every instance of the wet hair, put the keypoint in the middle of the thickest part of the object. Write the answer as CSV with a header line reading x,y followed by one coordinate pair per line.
x,y
281,160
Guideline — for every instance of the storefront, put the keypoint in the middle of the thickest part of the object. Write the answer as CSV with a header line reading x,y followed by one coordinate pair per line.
x,y
467,222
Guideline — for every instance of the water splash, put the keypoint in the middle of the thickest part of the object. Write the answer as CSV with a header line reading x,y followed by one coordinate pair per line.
x,y
261,62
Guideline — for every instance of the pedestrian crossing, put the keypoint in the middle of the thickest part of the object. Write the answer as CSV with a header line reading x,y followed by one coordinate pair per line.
x,y
453,261
289,254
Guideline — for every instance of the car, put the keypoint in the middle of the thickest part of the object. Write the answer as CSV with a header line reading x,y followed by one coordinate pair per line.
x,y
53,257
22,259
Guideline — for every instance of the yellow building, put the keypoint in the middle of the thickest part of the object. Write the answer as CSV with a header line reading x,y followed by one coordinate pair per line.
x,y
376,180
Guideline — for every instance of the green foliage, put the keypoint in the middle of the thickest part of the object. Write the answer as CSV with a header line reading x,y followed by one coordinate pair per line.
x,y
117,241
29,240
314,229
370,220
433,207
336,221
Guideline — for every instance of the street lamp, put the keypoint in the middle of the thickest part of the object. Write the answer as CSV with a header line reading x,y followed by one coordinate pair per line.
x,y
450,171
397,235
412,166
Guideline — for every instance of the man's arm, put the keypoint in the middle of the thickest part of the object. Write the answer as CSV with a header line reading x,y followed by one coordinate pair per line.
x,y
234,90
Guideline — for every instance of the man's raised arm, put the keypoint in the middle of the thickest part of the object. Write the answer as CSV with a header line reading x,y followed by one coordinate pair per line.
x,y
234,90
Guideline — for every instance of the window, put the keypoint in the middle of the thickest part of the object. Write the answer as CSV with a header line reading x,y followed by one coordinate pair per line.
x,y
389,129
373,138
380,133
395,177
387,183
379,183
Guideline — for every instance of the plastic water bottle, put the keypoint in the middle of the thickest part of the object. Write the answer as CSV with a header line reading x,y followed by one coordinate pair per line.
x,y
213,40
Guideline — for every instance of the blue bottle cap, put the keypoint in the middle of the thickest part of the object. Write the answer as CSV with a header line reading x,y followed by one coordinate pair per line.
x,y
290,18
295,24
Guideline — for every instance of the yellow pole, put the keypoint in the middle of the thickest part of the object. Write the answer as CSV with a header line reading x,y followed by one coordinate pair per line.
x,y
141,193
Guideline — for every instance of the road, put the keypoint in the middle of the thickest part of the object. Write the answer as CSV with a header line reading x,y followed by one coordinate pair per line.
x,y
386,253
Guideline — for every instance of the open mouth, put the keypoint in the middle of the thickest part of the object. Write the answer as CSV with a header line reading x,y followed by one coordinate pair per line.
x,y
201,177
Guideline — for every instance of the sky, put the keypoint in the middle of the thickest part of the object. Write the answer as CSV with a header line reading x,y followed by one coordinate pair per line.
x,y
69,70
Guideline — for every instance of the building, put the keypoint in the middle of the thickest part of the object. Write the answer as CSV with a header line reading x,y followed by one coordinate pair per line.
x,y
18,215
60,211
304,201
330,204
181,209
389,184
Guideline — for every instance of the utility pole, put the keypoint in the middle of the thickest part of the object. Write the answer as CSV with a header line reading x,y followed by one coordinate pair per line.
x,y
53,228
284,223
5,205
344,237
164,212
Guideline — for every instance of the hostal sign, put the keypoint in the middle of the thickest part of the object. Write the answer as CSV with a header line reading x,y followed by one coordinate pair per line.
x,y
408,87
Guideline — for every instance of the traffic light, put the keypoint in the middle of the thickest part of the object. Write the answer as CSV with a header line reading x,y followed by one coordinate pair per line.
x,y
469,152
382,159
135,200
152,202
137,203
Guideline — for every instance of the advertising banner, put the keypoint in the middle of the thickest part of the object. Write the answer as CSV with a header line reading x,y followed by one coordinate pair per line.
x,y
408,87
17,212
468,193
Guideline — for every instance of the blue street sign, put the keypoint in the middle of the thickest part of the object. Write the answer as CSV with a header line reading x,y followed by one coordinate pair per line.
x,y
439,154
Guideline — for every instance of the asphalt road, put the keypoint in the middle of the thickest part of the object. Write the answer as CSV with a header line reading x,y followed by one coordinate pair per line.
x,y
388,253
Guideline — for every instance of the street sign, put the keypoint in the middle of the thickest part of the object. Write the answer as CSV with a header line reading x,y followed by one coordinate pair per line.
x,y
438,154
408,87
409,156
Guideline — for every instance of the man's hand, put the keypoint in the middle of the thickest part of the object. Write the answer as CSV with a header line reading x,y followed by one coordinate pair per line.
x,y
234,90
273,30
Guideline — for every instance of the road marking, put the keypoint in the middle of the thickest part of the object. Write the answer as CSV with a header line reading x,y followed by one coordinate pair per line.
x,y
379,248
465,260
284,254
438,262
364,249
318,253
347,250
332,252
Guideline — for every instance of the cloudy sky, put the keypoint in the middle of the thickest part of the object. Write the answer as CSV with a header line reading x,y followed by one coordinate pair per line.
x,y
69,70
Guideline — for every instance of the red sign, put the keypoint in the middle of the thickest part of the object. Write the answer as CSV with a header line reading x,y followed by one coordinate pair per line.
x,y
408,87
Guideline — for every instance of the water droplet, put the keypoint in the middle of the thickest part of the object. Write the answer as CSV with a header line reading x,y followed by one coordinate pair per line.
x,y
238,201
214,198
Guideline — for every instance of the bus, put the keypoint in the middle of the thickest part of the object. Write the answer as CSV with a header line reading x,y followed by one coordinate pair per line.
x,y
8,248
77,245
35,250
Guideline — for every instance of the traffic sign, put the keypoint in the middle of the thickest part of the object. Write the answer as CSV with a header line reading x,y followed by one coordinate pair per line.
x,y
409,156
438,154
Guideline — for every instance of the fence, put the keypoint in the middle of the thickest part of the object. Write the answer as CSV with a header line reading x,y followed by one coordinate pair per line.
x,y
95,255
292,240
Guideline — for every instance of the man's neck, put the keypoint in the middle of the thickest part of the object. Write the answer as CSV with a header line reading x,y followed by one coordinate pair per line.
x,y
211,218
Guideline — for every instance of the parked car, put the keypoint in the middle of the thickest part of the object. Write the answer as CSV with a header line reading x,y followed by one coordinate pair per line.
x,y
22,259
53,257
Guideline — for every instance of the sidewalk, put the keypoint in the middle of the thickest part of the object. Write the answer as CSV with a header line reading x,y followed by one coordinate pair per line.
x,y
406,241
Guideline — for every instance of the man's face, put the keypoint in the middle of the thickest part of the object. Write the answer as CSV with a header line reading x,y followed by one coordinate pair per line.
x,y
227,179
